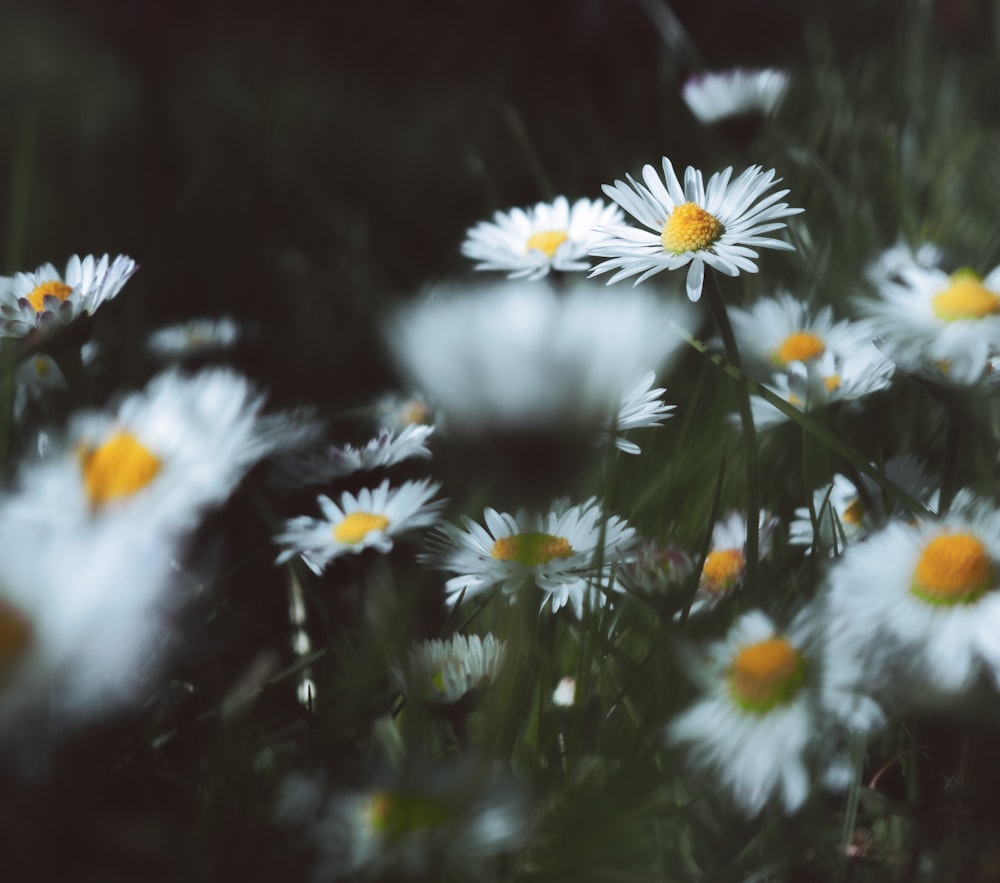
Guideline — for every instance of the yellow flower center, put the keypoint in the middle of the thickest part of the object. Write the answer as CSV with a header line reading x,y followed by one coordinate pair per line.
x,y
531,549
547,242
690,228
393,814
356,526
766,674
118,468
53,288
832,383
799,347
415,412
723,569
15,636
42,366
965,298
953,569
854,513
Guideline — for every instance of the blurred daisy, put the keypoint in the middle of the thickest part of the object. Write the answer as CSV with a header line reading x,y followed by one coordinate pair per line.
x,y
550,236
766,715
395,412
920,599
718,225
32,301
35,376
891,262
656,569
845,516
521,357
447,671
194,337
559,552
386,449
641,408
951,323
564,695
167,452
369,520
716,96
725,564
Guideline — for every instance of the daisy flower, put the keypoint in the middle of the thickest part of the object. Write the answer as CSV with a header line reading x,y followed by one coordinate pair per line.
x,y
369,520
725,564
395,411
717,96
558,552
719,224
447,671
35,376
166,453
950,323
194,337
642,408
891,262
550,236
920,599
522,357
386,449
767,714
33,301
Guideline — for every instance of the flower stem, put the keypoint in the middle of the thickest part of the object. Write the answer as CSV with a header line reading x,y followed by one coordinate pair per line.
x,y
714,297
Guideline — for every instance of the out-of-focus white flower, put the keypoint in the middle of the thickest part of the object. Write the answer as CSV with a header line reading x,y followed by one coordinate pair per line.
x,y
717,96
35,376
194,337
564,695
550,236
641,408
725,564
522,357
33,301
395,412
446,671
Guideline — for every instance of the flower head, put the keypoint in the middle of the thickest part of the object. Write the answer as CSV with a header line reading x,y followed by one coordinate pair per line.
x,y
717,96
446,671
718,225
194,337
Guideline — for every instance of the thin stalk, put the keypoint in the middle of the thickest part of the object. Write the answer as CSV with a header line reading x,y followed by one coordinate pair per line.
x,y
714,297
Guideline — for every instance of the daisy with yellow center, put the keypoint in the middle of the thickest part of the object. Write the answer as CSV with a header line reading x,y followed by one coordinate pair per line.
x,y
370,520
32,301
718,224
447,671
529,243
558,552
919,601
725,564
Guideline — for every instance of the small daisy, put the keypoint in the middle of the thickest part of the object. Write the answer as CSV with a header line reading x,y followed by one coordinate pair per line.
x,y
386,449
368,521
32,301
194,337
642,408
564,695
717,96
719,224
395,411
35,376
558,552
725,564
521,357
767,713
656,569
550,236
167,452
920,599
926,317
447,671
888,265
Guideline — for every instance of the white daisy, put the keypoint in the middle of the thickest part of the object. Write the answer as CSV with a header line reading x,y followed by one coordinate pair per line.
x,y
194,337
166,453
642,407
32,301
725,564
564,695
447,671
522,357
395,411
369,520
767,714
550,236
719,224
891,262
386,449
558,552
34,377
716,96
948,323
920,599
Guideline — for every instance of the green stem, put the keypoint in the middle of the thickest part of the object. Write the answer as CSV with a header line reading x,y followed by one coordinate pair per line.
x,y
714,297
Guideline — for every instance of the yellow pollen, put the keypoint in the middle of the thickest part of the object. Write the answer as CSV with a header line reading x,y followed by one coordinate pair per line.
x,y
723,569
832,383
765,674
53,288
793,399
118,468
15,635
531,549
799,347
953,569
42,365
414,412
546,242
965,298
690,228
854,513
356,526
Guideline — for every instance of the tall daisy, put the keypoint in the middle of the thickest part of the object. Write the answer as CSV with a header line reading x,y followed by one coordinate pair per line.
x,y
694,225
527,244
562,552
